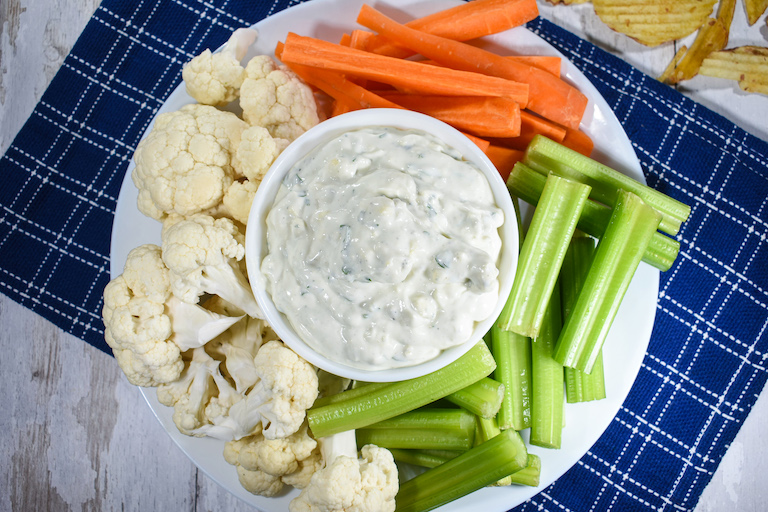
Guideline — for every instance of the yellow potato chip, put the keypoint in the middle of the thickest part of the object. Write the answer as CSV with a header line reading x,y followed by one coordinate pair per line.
x,y
748,65
755,9
667,74
712,36
653,22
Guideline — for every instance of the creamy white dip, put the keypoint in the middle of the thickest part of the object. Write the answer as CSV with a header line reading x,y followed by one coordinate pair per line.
x,y
383,247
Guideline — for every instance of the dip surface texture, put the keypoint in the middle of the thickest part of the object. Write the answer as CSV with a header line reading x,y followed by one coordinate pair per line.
x,y
383,247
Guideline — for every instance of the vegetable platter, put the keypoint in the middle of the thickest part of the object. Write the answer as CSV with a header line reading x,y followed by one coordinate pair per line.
x,y
628,339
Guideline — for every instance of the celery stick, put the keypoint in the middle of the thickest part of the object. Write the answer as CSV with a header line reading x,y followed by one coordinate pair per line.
x,y
513,369
399,397
527,184
541,255
529,475
472,470
416,438
482,398
547,395
424,458
545,155
429,418
486,430
360,389
585,387
579,386
617,256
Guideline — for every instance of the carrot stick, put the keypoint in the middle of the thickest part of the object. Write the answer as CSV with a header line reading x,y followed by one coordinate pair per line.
x,y
482,116
467,21
341,107
481,143
549,97
360,38
531,123
578,141
308,51
338,87
504,159
345,40
549,63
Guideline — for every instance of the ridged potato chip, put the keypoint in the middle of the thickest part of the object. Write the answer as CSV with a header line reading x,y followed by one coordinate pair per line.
x,y
755,9
711,37
748,65
653,22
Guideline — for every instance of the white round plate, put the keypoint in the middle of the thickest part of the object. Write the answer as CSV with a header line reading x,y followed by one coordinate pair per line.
x,y
628,339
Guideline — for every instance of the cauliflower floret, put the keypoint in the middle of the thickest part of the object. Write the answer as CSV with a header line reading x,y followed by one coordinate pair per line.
x,y
215,78
148,328
274,97
287,387
255,154
204,256
351,484
185,164
265,465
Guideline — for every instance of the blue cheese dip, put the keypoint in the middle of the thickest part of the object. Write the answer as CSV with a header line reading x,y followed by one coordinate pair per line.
x,y
383,246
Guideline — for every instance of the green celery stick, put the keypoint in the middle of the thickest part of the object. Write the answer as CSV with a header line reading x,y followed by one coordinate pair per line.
x,y
398,397
486,430
513,369
429,418
424,458
416,438
472,470
542,253
482,398
529,475
547,395
585,387
579,386
527,184
545,156
617,256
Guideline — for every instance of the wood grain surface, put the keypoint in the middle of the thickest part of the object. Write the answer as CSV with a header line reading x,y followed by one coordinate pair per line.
x,y
76,436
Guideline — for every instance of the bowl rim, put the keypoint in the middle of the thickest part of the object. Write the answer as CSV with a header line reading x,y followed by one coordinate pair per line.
x,y
256,246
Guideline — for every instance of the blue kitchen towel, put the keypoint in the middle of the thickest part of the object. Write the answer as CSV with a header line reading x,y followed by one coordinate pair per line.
x,y
706,363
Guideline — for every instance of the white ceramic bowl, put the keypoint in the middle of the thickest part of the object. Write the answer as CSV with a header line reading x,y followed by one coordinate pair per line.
x,y
256,239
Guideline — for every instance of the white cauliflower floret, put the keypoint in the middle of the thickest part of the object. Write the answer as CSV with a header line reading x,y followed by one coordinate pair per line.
x,y
348,483
147,327
255,154
265,465
204,256
215,78
274,97
187,161
201,397
287,387
257,150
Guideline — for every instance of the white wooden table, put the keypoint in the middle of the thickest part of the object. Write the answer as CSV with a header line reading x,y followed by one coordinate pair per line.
x,y
76,435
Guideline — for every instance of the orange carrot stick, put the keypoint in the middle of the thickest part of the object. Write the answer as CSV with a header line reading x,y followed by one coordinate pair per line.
x,y
345,40
578,141
504,159
466,21
533,124
482,116
549,97
481,143
549,63
308,51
